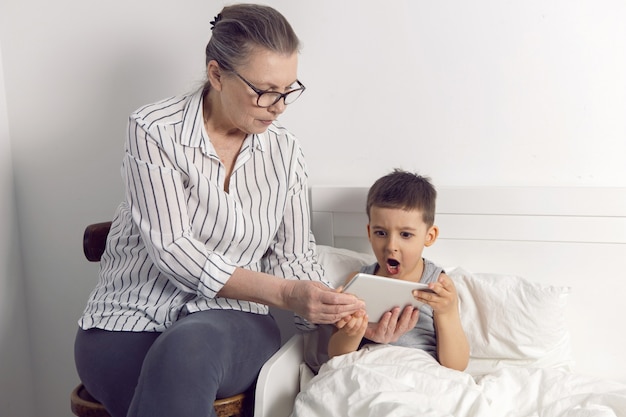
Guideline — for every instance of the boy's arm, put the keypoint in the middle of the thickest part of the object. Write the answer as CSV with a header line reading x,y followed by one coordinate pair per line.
x,y
348,335
348,331
452,344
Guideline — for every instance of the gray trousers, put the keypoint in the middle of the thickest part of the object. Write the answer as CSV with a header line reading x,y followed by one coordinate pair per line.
x,y
180,372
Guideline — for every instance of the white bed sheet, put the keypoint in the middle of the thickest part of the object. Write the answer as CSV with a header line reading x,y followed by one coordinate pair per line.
x,y
391,381
569,241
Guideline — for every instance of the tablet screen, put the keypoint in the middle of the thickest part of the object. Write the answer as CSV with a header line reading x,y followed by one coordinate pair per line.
x,y
381,294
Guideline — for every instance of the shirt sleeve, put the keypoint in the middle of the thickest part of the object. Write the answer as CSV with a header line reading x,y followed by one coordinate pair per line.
x,y
155,191
293,254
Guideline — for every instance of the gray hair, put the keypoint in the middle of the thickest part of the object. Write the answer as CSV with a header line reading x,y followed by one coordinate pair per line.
x,y
238,29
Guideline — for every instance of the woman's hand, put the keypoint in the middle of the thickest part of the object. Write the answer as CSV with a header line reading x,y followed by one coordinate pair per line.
x,y
392,325
319,304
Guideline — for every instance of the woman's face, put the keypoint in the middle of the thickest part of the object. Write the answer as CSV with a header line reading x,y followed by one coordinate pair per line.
x,y
267,71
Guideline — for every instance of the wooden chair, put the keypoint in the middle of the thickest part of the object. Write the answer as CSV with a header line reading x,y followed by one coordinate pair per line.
x,y
84,405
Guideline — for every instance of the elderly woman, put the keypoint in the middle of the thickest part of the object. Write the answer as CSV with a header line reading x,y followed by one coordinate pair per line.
x,y
213,229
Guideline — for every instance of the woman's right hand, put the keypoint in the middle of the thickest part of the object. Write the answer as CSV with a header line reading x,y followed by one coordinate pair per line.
x,y
319,304
392,325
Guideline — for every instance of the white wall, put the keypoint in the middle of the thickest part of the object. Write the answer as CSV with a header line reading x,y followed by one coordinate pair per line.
x,y
472,93
15,370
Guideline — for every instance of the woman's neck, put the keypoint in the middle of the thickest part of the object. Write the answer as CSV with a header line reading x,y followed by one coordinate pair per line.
x,y
226,141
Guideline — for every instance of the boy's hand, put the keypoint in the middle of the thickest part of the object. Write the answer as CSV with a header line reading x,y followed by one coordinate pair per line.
x,y
354,325
392,325
452,345
445,299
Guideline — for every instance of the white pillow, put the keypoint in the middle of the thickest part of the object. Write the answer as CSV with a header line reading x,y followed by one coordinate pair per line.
x,y
510,321
338,263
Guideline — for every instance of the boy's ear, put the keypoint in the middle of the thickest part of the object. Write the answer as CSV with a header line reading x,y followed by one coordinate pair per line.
x,y
431,235
369,236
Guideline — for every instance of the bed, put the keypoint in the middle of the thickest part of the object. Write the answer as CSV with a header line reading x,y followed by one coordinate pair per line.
x,y
541,278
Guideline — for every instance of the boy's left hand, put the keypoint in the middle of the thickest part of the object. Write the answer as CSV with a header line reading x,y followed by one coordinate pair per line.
x,y
445,298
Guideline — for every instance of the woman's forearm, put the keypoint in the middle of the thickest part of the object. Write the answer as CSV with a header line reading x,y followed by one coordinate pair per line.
x,y
311,300
257,287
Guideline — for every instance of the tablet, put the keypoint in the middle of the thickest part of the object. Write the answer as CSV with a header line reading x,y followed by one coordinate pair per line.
x,y
382,294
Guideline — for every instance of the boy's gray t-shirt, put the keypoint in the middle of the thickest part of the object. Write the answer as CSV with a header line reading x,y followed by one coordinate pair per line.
x,y
422,336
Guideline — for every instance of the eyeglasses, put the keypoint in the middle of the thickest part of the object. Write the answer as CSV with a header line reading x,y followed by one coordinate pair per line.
x,y
269,98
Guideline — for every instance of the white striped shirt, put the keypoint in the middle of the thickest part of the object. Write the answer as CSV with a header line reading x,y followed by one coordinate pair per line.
x,y
178,236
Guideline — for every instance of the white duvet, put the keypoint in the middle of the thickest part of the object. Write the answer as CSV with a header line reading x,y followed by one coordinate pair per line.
x,y
390,381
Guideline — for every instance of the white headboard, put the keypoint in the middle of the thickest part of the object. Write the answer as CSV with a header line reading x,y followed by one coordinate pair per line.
x,y
572,237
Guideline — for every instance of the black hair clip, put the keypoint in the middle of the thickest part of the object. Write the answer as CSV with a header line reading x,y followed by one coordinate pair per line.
x,y
215,20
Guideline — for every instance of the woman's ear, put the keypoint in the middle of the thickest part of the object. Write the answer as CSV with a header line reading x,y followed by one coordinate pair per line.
x,y
431,235
214,74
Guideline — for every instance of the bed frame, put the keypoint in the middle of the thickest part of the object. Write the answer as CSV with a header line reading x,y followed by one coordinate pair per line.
x,y
572,237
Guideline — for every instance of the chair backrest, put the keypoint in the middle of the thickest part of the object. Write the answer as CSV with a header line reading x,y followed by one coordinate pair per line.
x,y
95,239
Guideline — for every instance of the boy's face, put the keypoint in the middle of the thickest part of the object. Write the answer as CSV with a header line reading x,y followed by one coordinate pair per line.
x,y
398,238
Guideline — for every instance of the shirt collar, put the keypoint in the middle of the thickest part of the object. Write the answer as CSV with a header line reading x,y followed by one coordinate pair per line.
x,y
193,123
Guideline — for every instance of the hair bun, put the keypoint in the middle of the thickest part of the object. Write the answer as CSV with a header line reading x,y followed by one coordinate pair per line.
x,y
215,20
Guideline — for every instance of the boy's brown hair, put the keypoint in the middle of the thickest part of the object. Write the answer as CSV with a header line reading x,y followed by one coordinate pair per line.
x,y
404,190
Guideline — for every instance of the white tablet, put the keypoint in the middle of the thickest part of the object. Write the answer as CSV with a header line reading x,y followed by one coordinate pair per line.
x,y
382,294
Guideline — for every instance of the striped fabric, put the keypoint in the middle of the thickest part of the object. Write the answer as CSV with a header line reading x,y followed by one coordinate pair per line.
x,y
178,236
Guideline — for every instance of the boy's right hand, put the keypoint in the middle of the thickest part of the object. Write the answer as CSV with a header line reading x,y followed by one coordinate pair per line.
x,y
354,325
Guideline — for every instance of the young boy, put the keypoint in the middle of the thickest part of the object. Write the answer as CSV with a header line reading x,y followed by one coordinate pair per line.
x,y
401,213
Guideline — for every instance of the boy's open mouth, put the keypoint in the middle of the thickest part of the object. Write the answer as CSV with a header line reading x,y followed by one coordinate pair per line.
x,y
393,266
